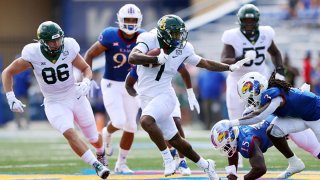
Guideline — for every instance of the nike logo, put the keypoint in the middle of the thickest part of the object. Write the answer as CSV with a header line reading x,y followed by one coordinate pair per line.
x,y
78,97
174,56
64,58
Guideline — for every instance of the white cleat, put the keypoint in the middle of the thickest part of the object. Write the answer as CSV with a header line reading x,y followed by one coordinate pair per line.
x,y
210,170
101,170
122,169
184,169
169,167
108,142
295,166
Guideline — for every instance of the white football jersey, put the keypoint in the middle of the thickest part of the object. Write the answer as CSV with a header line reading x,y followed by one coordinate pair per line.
x,y
241,44
156,80
56,80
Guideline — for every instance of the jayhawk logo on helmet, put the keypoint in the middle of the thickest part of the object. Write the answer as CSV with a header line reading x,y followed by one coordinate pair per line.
x,y
257,87
247,87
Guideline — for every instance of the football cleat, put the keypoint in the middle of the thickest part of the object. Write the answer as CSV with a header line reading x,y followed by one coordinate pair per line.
x,y
175,156
184,169
101,170
102,158
295,166
122,169
169,167
108,140
210,170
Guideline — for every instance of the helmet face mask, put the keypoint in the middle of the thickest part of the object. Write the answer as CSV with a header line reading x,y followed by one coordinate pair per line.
x,y
172,31
250,87
51,37
226,141
129,18
248,18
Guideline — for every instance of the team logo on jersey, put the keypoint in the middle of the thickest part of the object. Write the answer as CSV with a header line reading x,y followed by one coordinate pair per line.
x,y
43,63
179,52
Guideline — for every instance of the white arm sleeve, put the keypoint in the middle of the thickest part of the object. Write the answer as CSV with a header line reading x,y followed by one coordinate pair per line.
x,y
275,103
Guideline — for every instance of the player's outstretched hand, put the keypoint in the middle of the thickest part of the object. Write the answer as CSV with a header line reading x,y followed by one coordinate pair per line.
x,y
14,104
193,102
248,110
250,55
305,87
83,87
162,57
280,76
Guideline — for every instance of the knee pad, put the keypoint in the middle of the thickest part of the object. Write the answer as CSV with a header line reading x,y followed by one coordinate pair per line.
x,y
277,132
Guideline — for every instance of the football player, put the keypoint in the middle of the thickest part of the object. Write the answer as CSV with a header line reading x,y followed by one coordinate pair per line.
x,y
131,80
116,43
250,36
155,91
52,59
297,111
251,142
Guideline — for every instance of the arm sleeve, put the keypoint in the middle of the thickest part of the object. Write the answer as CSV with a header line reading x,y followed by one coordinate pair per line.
x,y
275,103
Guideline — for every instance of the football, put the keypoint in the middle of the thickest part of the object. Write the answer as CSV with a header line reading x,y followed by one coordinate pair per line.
x,y
153,52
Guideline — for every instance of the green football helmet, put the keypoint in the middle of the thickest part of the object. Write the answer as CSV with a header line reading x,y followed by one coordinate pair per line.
x,y
172,31
248,18
50,35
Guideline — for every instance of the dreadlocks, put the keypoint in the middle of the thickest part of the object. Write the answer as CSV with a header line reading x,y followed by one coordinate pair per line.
x,y
273,82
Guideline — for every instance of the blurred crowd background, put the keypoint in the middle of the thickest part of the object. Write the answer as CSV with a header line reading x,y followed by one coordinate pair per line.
x,y
296,23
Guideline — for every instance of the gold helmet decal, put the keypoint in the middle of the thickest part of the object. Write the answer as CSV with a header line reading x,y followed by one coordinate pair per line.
x,y
162,23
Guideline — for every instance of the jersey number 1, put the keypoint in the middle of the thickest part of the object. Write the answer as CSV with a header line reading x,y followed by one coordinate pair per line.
x,y
50,75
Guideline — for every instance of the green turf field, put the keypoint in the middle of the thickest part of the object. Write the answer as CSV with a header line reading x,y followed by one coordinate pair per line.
x,y
46,152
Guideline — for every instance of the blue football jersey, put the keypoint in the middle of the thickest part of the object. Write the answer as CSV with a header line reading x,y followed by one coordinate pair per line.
x,y
298,104
247,135
118,50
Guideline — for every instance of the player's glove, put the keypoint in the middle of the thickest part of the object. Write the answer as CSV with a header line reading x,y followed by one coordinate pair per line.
x,y
193,102
305,87
250,55
14,104
93,87
248,110
162,57
231,170
83,87
280,73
